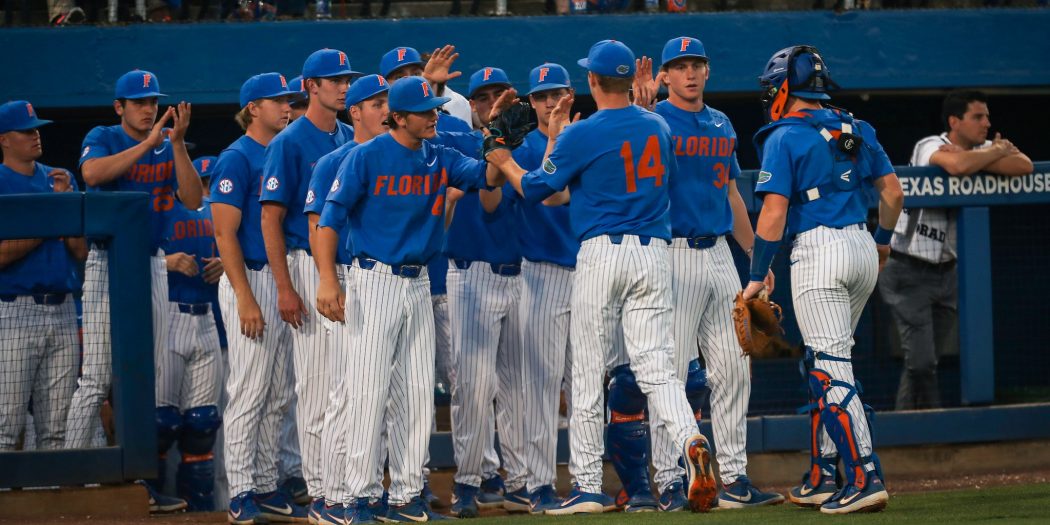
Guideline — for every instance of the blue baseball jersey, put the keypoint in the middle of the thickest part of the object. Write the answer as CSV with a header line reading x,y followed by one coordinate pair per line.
x,y
705,147
447,122
796,158
395,198
467,143
236,180
191,232
153,173
616,164
48,268
290,160
545,232
320,185
475,235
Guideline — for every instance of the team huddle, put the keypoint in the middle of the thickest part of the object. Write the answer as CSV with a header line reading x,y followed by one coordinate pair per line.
x,y
506,247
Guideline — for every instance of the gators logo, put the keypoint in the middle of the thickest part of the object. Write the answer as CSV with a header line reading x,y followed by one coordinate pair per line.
x,y
549,167
764,176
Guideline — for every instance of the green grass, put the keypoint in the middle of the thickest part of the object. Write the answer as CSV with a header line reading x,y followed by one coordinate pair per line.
x,y
1009,504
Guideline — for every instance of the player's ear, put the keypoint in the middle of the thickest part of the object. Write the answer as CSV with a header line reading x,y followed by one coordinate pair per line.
x,y
118,107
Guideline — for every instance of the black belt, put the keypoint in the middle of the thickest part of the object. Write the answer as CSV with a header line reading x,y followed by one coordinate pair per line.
x,y
50,299
644,240
506,270
195,309
701,243
100,244
254,266
410,271
926,265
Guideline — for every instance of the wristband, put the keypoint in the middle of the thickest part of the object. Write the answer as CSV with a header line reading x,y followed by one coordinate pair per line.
x,y
762,258
882,236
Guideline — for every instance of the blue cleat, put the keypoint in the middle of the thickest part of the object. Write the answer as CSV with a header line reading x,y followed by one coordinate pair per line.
x,y
808,495
702,489
579,502
244,511
360,513
277,507
413,511
517,501
313,512
871,497
161,504
295,488
464,501
741,494
379,507
491,493
542,499
641,502
332,514
429,497
672,499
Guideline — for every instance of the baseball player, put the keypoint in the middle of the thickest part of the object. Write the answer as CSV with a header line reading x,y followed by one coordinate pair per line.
x,y
139,154
290,159
549,249
396,223
816,163
38,324
188,394
259,384
705,206
484,289
403,62
623,272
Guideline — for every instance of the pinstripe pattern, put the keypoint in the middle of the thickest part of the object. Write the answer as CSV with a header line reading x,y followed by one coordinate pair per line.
x,y
333,444
833,272
629,286
38,359
392,326
289,459
546,301
487,357
191,362
705,284
258,389
310,349
82,423
443,331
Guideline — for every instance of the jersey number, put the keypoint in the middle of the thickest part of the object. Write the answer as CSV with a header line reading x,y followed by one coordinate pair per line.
x,y
721,175
649,165
163,199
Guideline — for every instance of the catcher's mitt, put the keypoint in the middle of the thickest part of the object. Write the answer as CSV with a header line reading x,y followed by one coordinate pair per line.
x,y
757,323
508,130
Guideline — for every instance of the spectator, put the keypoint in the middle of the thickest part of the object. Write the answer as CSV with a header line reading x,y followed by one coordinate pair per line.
x,y
919,282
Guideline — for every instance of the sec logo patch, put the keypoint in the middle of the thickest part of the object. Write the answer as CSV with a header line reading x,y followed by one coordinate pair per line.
x,y
86,150
335,186
225,186
272,183
310,197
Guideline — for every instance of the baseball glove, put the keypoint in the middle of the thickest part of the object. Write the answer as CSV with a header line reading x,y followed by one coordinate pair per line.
x,y
508,130
757,324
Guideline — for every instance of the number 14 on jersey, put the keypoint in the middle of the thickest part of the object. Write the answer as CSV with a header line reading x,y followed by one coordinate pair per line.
x,y
649,164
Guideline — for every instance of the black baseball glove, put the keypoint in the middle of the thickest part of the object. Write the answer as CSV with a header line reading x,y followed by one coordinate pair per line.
x,y
508,130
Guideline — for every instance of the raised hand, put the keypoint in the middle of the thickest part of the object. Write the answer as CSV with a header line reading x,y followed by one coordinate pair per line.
x,y
156,135
560,115
181,122
437,69
645,88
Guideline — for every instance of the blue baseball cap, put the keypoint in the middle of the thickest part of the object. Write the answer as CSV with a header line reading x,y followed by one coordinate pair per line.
x,y
413,94
548,76
487,76
682,47
365,88
265,85
609,58
19,115
397,58
325,63
299,86
138,84
204,165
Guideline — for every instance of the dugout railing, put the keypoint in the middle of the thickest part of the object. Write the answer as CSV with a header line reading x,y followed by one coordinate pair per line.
x,y
123,220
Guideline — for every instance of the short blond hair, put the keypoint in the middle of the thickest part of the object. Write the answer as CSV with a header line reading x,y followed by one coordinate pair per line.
x,y
243,118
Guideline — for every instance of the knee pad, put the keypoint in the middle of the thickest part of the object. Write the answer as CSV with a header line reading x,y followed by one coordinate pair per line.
x,y
625,397
199,425
169,424
195,483
628,432
838,422
696,388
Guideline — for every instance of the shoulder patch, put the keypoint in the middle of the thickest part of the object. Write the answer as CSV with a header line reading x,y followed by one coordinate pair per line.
x,y
335,186
310,197
86,150
764,176
549,167
225,186
272,184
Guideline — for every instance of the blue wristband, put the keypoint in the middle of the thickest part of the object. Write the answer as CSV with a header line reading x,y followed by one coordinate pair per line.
x,y
882,236
762,257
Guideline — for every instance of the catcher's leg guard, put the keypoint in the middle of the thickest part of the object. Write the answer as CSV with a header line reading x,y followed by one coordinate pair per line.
x,y
195,480
696,388
819,465
628,432
169,423
838,423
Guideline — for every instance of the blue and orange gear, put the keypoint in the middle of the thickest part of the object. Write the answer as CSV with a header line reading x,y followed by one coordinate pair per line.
x,y
628,433
195,480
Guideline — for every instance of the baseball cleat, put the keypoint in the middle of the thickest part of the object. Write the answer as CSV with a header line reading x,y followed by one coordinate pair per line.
x,y
161,504
244,511
643,502
278,507
359,513
872,498
429,497
295,488
702,488
542,499
415,510
806,495
517,501
741,494
491,493
464,501
672,499
580,502
332,515
314,511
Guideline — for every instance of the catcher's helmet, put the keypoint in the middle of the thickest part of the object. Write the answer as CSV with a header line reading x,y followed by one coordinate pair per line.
x,y
796,71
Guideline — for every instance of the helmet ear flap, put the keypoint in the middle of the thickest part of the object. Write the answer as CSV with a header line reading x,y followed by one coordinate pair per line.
x,y
778,101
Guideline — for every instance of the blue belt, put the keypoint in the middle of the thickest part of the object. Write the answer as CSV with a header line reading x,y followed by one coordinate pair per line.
x,y
39,298
254,266
702,243
507,270
401,270
195,309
